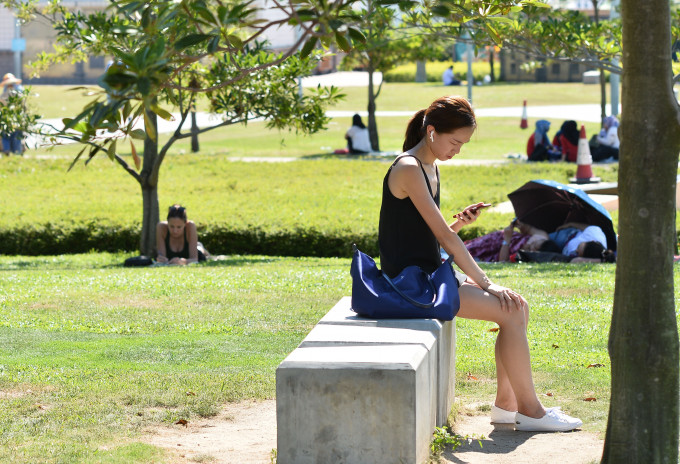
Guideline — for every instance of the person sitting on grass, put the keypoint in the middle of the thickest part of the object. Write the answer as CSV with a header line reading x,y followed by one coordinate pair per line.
x,y
566,141
358,140
177,239
539,147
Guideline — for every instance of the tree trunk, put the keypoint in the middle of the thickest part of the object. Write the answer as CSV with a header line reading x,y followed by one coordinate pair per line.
x,y
643,339
603,97
149,184
421,73
372,124
492,73
194,133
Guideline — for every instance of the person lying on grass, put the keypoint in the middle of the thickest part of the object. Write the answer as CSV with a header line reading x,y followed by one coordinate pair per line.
x,y
578,243
412,230
177,239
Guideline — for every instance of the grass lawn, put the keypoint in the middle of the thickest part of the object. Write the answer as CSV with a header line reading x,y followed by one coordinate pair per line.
x,y
92,353
495,138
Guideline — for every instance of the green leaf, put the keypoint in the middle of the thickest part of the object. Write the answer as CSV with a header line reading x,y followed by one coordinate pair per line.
x,y
235,41
144,85
441,10
343,43
111,152
161,112
309,46
75,160
214,43
148,125
356,35
138,134
191,39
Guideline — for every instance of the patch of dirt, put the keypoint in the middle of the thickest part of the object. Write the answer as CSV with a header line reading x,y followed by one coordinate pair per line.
x,y
241,433
246,433
504,445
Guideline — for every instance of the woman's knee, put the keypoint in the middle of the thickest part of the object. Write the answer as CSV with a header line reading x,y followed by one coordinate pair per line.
x,y
515,319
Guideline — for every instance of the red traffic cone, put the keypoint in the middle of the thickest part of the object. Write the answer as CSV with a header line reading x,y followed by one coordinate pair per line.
x,y
524,123
584,161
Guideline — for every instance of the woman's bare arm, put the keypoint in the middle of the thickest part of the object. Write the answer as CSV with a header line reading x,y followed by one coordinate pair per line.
x,y
161,232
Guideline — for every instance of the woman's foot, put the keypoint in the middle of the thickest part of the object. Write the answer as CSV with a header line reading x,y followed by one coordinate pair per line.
x,y
501,416
554,420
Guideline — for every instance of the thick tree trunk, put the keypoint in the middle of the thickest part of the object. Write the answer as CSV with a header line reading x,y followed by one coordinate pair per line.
x,y
421,72
149,184
372,124
643,340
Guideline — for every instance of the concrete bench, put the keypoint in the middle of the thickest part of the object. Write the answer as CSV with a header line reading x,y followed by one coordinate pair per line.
x,y
360,390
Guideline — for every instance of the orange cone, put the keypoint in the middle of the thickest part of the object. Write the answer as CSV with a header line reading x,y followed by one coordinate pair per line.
x,y
524,123
584,161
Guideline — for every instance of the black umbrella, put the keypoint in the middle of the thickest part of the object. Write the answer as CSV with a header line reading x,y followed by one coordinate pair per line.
x,y
547,204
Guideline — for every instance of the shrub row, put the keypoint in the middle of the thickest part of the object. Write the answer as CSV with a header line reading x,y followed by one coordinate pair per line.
x,y
434,70
56,239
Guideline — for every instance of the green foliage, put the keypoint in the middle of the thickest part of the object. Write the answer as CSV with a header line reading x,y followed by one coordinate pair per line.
x,y
16,114
443,438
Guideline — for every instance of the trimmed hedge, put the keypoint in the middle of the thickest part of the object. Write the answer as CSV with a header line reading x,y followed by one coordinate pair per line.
x,y
434,70
57,239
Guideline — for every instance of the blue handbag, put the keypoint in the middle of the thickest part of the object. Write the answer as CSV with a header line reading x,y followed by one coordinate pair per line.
x,y
412,294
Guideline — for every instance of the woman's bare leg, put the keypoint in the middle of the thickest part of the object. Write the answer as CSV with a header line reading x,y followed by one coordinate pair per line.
x,y
513,363
505,396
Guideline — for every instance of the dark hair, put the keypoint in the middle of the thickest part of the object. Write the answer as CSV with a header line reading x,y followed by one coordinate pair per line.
x,y
608,256
570,131
593,249
177,211
551,246
356,121
446,114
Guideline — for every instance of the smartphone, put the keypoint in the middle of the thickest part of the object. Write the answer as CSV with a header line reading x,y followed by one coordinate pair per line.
x,y
483,205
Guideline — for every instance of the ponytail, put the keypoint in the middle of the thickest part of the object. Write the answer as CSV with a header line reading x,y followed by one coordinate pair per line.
x,y
445,114
414,131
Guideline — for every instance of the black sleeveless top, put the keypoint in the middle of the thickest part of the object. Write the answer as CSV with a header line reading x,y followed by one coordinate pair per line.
x,y
176,254
404,237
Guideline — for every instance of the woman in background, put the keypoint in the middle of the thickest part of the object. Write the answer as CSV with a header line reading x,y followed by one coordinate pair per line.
x,y
357,137
566,141
177,239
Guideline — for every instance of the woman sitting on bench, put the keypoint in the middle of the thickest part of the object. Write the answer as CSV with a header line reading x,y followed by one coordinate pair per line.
x,y
411,231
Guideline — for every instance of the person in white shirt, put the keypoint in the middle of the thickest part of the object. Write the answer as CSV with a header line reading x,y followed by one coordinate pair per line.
x,y
357,137
582,241
448,78
607,140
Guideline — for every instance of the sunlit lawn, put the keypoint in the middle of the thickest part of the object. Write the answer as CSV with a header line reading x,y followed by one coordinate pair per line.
x,y
93,353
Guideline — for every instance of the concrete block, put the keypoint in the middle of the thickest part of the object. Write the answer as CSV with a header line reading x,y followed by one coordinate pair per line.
x,y
354,404
444,331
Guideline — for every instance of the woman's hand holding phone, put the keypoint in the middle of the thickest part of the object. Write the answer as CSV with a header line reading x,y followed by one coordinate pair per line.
x,y
471,213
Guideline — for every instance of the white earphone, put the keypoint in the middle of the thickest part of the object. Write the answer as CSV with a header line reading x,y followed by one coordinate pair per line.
x,y
432,136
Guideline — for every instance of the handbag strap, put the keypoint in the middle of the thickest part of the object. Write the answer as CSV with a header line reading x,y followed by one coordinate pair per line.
x,y
411,300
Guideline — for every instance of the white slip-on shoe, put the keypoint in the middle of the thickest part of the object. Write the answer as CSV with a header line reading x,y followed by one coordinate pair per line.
x,y
553,421
501,416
